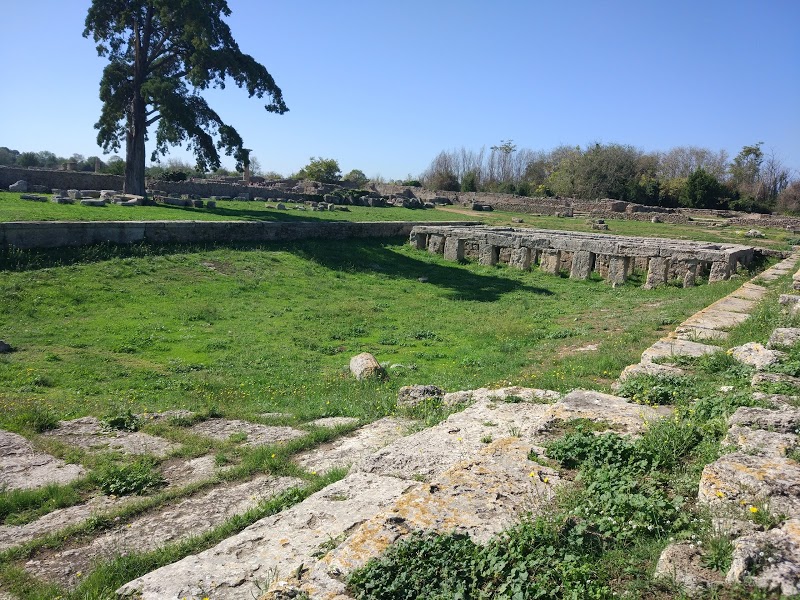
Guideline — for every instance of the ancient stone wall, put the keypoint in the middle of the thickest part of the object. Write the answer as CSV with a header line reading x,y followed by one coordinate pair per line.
x,y
64,180
56,234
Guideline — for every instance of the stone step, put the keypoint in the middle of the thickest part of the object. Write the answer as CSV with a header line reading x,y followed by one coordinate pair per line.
x,y
666,349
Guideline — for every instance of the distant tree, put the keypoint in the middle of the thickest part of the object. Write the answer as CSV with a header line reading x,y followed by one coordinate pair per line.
x,y
441,174
115,166
255,165
49,160
469,182
357,177
272,176
161,54
8,156
28,159
789,199
745,169
324,170
702,190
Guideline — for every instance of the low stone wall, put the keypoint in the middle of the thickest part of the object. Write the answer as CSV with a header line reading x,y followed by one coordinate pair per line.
x,y
57,234
63,180
613,257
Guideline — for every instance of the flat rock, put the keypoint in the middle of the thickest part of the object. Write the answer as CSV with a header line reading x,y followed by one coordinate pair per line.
x,y
14,535
90,434
750,291
190,517
788,299
626,416
257,435
332,422
179,472
480,497
693,333
668,348
784,337
778,401
769,559
775,378
278,545
734,304
23,467
649,368
491,395
759,442
682,563
411,395
756,355
711,318
786,420
355,446
739,480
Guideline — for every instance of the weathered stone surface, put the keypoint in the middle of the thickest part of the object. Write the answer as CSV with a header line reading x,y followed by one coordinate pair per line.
x,y
257,434
649,368
411,395
784,337
494,395
520,258
788,299
759,442
712,318
332,422
454,249
91,435
682,563
740,480
365,366
93,202
355,446
615,410
279,544
693,334
479,497
656,272
770,559
550,261
582,265
775,378
750,291
179,472
731,303
186,518
23,467
756,355
19,186
720,271
618,268
785,420
667,348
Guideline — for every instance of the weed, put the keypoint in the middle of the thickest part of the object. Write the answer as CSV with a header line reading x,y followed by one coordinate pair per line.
x,y
123,421
37,418
138,477
486,439
655,390
718,553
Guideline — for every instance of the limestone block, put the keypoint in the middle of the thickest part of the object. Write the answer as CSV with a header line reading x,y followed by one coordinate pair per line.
x,y
785,420
755,355
454,249
618,267
720,271
649,368
520,258
682,563
488,254
582,265
550,261
411,395
656,272
775,378
690,275
759,442
667,348
784,337
769,559
436,243
19,186
23,467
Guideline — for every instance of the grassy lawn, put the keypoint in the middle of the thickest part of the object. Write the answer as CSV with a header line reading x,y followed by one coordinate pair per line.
x,y
14,209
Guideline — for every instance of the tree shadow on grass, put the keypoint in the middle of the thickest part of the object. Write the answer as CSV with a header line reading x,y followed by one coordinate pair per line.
x,y
245,214
378,256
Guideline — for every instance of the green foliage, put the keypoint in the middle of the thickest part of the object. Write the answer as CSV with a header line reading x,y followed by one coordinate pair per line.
x,y
702,190
469,182
122,420
718,553
172,175
576,447
36,418
655,390
325,170
357,177
138,477
21,506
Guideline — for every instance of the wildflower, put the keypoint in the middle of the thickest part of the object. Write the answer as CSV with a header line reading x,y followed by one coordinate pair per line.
x,y
720,494
79,574
754,509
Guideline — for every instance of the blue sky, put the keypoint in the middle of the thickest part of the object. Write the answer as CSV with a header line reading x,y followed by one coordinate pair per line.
x,y
384,86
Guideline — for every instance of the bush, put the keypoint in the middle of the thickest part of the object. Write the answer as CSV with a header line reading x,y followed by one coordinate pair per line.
x,y
138,477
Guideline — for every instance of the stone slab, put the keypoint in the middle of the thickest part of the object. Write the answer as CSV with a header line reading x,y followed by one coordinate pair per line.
x,y
626,416
734,304
715,319
239,566
759,442
90,434
332,422
257,435
785,420
355,446
750,291
649,368
775,378
769,559
667,348
694,333
189,517
784,337
24,467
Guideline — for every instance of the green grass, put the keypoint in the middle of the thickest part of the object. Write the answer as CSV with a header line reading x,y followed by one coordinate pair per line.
x,y
12,208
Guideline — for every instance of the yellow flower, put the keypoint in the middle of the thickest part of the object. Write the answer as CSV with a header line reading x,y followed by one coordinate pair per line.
x,y
531,474
754,509
720,494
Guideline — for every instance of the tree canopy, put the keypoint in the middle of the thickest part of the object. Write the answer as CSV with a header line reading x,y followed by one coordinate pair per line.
x,y
161,54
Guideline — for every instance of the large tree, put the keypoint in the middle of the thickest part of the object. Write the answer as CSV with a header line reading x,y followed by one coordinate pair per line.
x,y
162,53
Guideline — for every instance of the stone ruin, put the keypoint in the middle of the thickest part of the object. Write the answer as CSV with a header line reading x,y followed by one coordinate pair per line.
x,y
614,257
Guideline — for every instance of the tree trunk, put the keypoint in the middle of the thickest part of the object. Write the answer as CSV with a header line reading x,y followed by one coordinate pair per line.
x,y
134,148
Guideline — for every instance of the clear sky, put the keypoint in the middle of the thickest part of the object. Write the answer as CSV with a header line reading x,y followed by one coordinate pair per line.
x,y
384,86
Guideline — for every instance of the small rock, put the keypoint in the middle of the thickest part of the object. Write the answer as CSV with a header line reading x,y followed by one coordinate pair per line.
x,y
516,220
770,559
280,206
655,220
365,366
787,380
422,279
5,348
411,395
211,204
754,233
786,420
755,355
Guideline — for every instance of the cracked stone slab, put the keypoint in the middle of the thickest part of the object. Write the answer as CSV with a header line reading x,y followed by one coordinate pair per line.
x,y
90,434
694,333
332,422
652,369
489,395
24,467
355,446
775,378
179,472
785,420
237,567
627,416
682,563
480,497
778,401
769,559
716,319
14,535
739,480
189,517
731,303
759,442
750,291
667,348
257,435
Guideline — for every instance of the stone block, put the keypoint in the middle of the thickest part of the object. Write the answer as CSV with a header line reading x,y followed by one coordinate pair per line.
x,y
617,270
520,258
454,249
489,254
550,261
436,243
582,265
656,272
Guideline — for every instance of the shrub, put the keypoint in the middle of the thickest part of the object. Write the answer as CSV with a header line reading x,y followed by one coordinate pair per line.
x,y
138,477
123,421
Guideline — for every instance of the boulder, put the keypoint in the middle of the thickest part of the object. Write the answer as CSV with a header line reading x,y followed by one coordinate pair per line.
x,y
211,204
5,347
19,186
366,366
784,337
755,355
33,197
280,206
411,395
